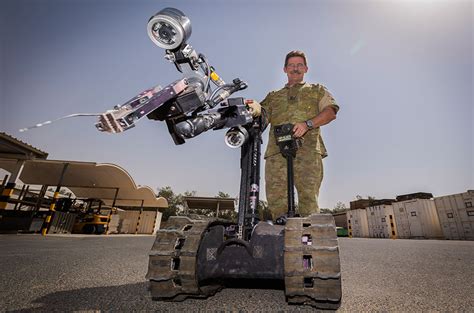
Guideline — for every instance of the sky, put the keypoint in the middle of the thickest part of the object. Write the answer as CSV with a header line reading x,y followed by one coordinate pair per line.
x,y
401,71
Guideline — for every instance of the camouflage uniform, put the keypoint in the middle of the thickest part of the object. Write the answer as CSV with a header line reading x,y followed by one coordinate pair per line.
x,y
295,104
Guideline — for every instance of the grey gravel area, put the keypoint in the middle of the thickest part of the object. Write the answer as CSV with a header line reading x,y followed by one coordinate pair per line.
x,y
106,274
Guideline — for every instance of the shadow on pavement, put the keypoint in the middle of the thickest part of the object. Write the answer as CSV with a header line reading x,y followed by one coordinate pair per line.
x,y
135,297
129,297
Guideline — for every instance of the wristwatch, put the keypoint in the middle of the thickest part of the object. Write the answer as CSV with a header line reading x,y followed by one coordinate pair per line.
x,y
309,124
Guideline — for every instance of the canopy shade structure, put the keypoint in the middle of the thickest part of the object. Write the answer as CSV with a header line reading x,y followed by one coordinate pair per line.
x,y
87,180
13,148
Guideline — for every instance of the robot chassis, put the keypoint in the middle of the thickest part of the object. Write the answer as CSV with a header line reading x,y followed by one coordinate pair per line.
x,y
197,258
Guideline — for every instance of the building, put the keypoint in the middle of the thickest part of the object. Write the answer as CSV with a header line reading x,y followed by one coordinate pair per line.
x,y
456,215
209,206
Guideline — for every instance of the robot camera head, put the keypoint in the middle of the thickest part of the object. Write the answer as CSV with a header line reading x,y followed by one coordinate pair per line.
x,y
169,28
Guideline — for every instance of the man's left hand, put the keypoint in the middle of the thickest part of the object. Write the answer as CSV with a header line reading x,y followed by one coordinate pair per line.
x,y
300,129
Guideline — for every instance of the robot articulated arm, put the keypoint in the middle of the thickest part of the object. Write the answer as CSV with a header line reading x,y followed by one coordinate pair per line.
x,y
189,106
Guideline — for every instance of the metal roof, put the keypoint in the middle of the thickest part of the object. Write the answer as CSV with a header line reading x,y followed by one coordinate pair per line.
x,y
413,196
13,148
87,180
210,203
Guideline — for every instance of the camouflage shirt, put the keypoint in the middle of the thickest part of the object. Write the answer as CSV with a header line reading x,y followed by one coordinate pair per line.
x,y
298,103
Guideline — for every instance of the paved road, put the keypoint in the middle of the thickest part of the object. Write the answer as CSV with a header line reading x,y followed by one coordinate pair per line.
x,y
71,274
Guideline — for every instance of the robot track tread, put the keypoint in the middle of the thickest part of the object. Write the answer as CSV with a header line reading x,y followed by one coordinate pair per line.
x,y
172,263
311,258
311,262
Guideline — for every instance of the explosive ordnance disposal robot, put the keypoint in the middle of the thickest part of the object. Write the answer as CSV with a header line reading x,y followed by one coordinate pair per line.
x,y
195,258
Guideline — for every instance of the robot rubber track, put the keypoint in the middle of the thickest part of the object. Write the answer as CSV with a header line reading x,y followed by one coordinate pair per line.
x,y
310,268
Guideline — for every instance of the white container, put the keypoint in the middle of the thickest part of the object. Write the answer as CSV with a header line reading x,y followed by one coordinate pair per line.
x,y
357,223
456,214
157,225
381,222
417,218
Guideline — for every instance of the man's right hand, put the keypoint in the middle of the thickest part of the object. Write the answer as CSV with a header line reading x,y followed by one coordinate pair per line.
x,y
254,107
300,129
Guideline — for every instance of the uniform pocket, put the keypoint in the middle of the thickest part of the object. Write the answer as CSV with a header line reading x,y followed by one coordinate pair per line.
x,y
307,106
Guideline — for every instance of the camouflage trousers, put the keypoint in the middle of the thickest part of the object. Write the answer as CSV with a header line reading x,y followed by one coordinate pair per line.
x,y
308,174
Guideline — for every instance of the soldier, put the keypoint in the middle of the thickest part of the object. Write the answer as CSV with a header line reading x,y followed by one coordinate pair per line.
x,y
307,106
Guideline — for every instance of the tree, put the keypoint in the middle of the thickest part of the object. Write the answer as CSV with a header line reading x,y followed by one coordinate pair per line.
x,y
175,202
190,193
222,194
229,215
359,197
340,207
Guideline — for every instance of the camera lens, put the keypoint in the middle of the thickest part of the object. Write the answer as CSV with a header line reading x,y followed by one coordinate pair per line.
x,y
166,33
236,137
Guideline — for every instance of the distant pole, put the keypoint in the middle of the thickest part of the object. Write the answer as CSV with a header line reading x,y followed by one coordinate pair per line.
x,y
19,196
52,207
109,217
115,196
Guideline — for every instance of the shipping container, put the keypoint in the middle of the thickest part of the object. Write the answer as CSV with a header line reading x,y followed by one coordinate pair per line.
x,y
357,223
401,220
380,221
417,218
456,214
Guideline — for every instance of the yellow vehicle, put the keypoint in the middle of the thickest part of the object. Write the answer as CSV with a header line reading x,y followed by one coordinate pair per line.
x,y
91,223
90,219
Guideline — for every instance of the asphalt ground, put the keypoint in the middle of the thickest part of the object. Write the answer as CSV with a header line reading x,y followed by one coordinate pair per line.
x,y
106,274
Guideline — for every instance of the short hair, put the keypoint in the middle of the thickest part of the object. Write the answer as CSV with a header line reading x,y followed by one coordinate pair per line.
x,y
295,53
